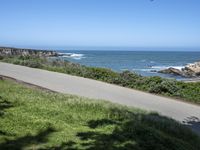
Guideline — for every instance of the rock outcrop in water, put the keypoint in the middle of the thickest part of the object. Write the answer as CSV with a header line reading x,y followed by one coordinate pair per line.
x,y
190,70
8,51
171,70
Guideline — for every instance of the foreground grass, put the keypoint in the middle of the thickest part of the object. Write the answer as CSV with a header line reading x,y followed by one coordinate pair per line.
x,y
185,91
34,119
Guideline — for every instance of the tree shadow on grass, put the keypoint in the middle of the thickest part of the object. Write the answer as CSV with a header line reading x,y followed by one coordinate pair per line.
x,y
70,145
144,132
4,104
136,132
28,140
21,142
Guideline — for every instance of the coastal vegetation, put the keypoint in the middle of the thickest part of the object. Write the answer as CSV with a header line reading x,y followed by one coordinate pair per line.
x,y
38,119
185,91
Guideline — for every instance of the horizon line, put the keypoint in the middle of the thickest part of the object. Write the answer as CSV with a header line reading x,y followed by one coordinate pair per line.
x,y
104,48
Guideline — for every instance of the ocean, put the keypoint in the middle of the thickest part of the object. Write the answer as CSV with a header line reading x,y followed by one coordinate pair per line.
x,y
145,63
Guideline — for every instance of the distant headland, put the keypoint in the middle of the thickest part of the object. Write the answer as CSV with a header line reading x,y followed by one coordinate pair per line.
x,y
11,51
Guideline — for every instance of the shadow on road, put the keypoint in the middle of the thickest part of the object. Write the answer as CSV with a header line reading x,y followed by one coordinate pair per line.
x,y
193,123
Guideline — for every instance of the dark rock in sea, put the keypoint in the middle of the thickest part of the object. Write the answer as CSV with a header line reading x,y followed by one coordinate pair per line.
x,y
7,51
153,71
171,71
190,70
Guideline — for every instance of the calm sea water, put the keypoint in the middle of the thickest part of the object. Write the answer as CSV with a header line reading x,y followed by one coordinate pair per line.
x,y
142,62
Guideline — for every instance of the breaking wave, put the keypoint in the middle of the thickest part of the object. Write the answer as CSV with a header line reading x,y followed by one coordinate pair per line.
x,y
165,67
72,55
154,69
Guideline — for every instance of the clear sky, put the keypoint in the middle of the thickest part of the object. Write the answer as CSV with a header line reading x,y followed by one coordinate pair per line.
x,y
96,24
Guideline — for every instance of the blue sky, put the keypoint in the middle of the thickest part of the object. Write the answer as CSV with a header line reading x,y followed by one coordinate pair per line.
x,y
100,24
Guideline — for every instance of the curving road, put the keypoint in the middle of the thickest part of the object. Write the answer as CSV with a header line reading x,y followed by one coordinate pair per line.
x,y
186,113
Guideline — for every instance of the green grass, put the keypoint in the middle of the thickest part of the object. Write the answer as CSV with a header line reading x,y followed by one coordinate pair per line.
x,y
35,119
157,85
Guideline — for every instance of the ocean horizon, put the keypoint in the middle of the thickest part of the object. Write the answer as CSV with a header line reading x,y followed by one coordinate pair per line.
x,y
145,63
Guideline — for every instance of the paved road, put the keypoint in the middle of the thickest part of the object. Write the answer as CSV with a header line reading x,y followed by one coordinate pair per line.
x,y
180,111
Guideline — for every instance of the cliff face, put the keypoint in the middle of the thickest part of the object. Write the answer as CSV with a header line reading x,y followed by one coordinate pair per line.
x,y
6,51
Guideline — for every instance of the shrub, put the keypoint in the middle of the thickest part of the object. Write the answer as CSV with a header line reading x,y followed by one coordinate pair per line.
x,y
17,62
128,75
129,79
34,64
24,57
166,86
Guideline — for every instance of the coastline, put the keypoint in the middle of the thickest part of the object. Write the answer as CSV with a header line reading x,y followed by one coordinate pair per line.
x,y
139,64
146,63
152,84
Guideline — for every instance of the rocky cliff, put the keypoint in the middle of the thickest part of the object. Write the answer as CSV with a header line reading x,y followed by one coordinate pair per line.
x,y
8,51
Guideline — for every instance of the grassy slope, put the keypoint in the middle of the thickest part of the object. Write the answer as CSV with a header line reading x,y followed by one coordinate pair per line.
x,y
185,91
34,119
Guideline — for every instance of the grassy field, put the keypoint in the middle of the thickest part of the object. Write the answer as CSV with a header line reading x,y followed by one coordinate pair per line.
x,y
157,85
34,119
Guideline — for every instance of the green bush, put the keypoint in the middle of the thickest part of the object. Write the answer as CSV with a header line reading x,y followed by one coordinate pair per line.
x,y
102,74
24,57
33,64
166,86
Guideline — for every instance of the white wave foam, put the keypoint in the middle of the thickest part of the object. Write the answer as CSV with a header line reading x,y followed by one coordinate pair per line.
x,y
143,60
72,55
165,67
144,70
124,69
154,69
